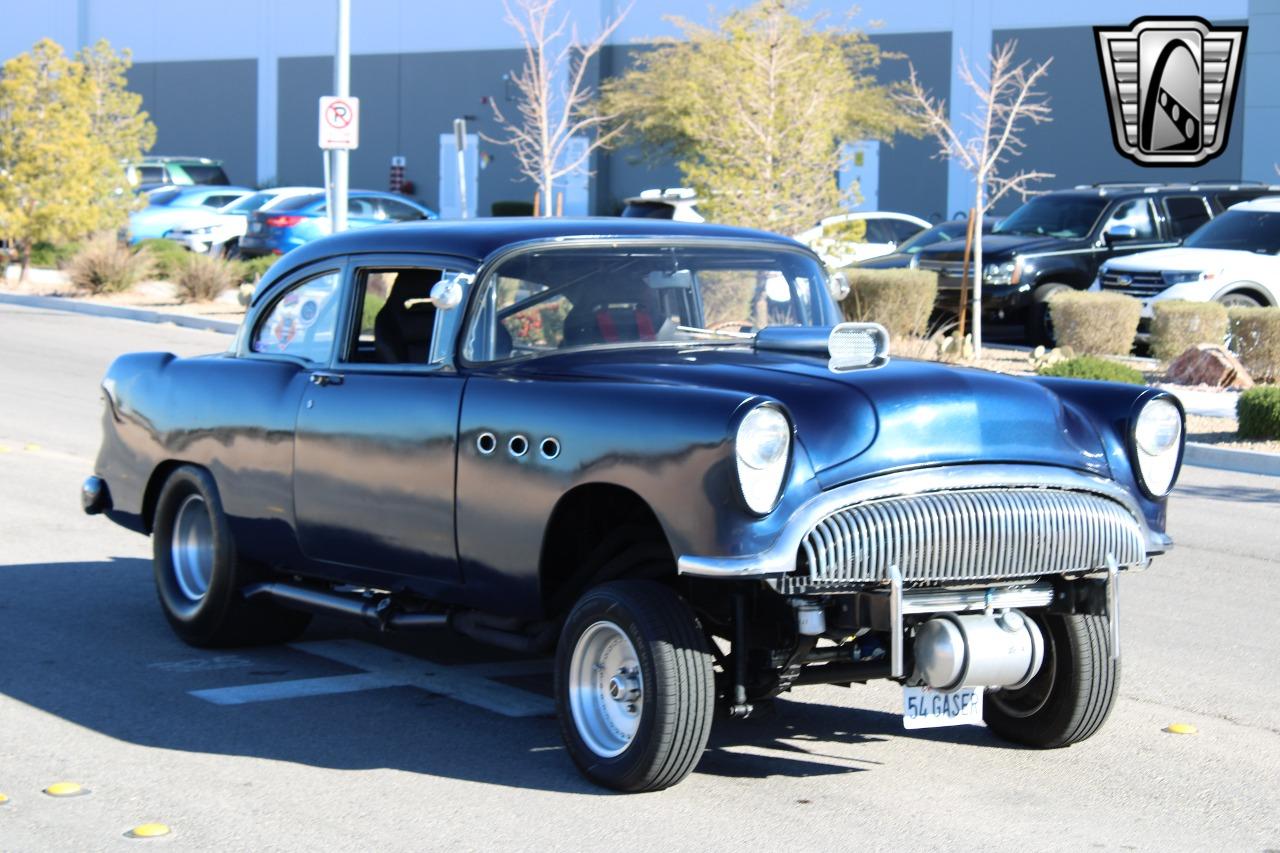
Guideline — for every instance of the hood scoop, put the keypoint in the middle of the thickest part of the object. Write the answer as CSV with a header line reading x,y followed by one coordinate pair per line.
x,y
848,346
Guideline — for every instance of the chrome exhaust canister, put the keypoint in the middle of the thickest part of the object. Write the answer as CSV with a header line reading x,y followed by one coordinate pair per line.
x,y
978,650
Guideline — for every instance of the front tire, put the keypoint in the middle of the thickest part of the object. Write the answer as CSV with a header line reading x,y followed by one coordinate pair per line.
x,y
199,575
1071,696
635,690
1039,322
1239,300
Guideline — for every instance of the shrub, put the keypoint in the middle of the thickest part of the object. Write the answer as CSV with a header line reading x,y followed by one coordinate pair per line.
x,y
901,300
1258,411
203,278
167,255
1178,326
1093,367
251,270
1255,337
53,256
1095,323
105,265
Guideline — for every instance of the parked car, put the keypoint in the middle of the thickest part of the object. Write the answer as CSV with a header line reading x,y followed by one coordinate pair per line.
x,y
168,207
556,435
182,171
908,252
852,237
1233,259
220,231
298,220
678,203
1057,241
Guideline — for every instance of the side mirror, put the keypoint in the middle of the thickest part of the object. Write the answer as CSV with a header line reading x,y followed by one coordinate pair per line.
x,y
447,293
838,284
1120,233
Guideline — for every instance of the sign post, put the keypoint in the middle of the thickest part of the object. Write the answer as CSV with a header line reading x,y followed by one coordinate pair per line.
x,y
340,121
460,140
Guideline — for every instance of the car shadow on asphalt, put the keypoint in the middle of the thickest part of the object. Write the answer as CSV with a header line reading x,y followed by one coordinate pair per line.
x,y
86,642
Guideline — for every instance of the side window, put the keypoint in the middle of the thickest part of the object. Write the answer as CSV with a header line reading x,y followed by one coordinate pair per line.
x,y
398,211
397,321
302,321
880,231
1186,214
1137,215
902,230
219,200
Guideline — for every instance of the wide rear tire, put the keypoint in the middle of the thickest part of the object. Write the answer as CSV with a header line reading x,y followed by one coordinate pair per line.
x,y
199,575
1072,695
635,690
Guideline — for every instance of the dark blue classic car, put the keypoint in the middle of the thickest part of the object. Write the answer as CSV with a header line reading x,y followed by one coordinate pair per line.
x,y
653,448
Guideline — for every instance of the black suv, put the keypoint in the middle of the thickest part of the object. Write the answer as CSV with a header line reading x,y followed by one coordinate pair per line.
x,y
1058,240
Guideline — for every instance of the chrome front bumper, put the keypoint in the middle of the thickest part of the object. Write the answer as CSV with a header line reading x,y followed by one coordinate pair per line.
x,y
780,558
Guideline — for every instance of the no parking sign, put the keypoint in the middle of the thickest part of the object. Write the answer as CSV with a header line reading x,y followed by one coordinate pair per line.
x,y
339,122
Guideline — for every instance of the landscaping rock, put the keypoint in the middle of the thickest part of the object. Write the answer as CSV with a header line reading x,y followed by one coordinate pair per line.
x,y
1209,364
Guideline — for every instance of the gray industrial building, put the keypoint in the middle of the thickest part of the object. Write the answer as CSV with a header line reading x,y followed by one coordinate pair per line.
x,y
239,80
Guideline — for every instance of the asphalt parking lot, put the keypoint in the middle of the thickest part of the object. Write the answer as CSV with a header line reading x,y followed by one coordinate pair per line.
x,y
347,740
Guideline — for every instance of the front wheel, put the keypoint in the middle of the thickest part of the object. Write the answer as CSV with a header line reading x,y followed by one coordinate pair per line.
x,y
1039,322
1239,300
1070,697
199,575
635,689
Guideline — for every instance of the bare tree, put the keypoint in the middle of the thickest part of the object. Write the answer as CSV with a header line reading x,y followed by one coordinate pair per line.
x,y
1008,101
556,102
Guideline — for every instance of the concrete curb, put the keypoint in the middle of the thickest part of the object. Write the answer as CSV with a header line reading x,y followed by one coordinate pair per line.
x,y
58,303
1230,459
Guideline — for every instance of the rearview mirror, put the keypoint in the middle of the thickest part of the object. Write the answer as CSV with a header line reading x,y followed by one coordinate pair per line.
x,y
447,293
1119,233
838,284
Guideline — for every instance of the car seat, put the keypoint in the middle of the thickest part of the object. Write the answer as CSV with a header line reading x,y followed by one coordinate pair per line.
x,y
402,329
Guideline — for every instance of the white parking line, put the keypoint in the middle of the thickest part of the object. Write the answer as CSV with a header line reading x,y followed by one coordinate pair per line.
x,y
470,683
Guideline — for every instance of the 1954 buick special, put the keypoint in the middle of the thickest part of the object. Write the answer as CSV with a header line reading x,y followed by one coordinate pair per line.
x,y
654,448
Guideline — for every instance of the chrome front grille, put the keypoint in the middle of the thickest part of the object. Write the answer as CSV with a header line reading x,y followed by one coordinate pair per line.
x,y
971,535
1137,284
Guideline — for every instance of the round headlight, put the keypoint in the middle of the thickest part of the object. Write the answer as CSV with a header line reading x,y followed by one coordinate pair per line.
x,y
762,445
1159,427
1157,437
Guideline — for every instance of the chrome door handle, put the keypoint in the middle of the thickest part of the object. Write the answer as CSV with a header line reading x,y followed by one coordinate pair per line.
x,y
322,378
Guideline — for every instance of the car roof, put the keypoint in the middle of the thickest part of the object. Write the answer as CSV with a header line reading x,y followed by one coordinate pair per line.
x,y
478,238
1265,204
161,159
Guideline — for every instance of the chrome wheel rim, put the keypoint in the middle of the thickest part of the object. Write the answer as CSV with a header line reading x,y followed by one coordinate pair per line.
x,y
606,689
1236,300
191,547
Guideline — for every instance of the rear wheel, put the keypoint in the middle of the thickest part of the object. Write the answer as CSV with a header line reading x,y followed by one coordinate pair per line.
x,y
199,576
1072,694
635,689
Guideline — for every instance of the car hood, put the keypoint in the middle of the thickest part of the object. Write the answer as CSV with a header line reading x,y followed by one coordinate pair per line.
x,y
896,260
996,247
906,414
1181,258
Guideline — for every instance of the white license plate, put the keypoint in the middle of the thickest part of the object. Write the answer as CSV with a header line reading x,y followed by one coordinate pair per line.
x,y
926,708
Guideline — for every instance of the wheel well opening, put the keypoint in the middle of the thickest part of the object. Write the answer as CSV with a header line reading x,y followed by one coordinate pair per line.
x,y
1252,292
152,493
599,532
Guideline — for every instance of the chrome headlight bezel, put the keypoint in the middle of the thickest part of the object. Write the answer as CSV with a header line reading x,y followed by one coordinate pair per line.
x,y
762,463
999,273
1157,460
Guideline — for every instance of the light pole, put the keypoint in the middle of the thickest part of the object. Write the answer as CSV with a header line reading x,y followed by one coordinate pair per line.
x,y
342,89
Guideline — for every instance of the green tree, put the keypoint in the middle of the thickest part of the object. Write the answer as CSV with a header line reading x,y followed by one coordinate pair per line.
x,y
65,128
755,110
117,121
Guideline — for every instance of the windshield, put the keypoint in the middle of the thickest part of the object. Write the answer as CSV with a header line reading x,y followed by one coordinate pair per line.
x,y
160,198
1068,217
936,234
559,299
1242,230
249,203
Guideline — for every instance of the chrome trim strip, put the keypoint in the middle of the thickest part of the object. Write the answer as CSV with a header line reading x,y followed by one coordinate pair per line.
x,y
779,558
1038,594
1113,605
897,632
